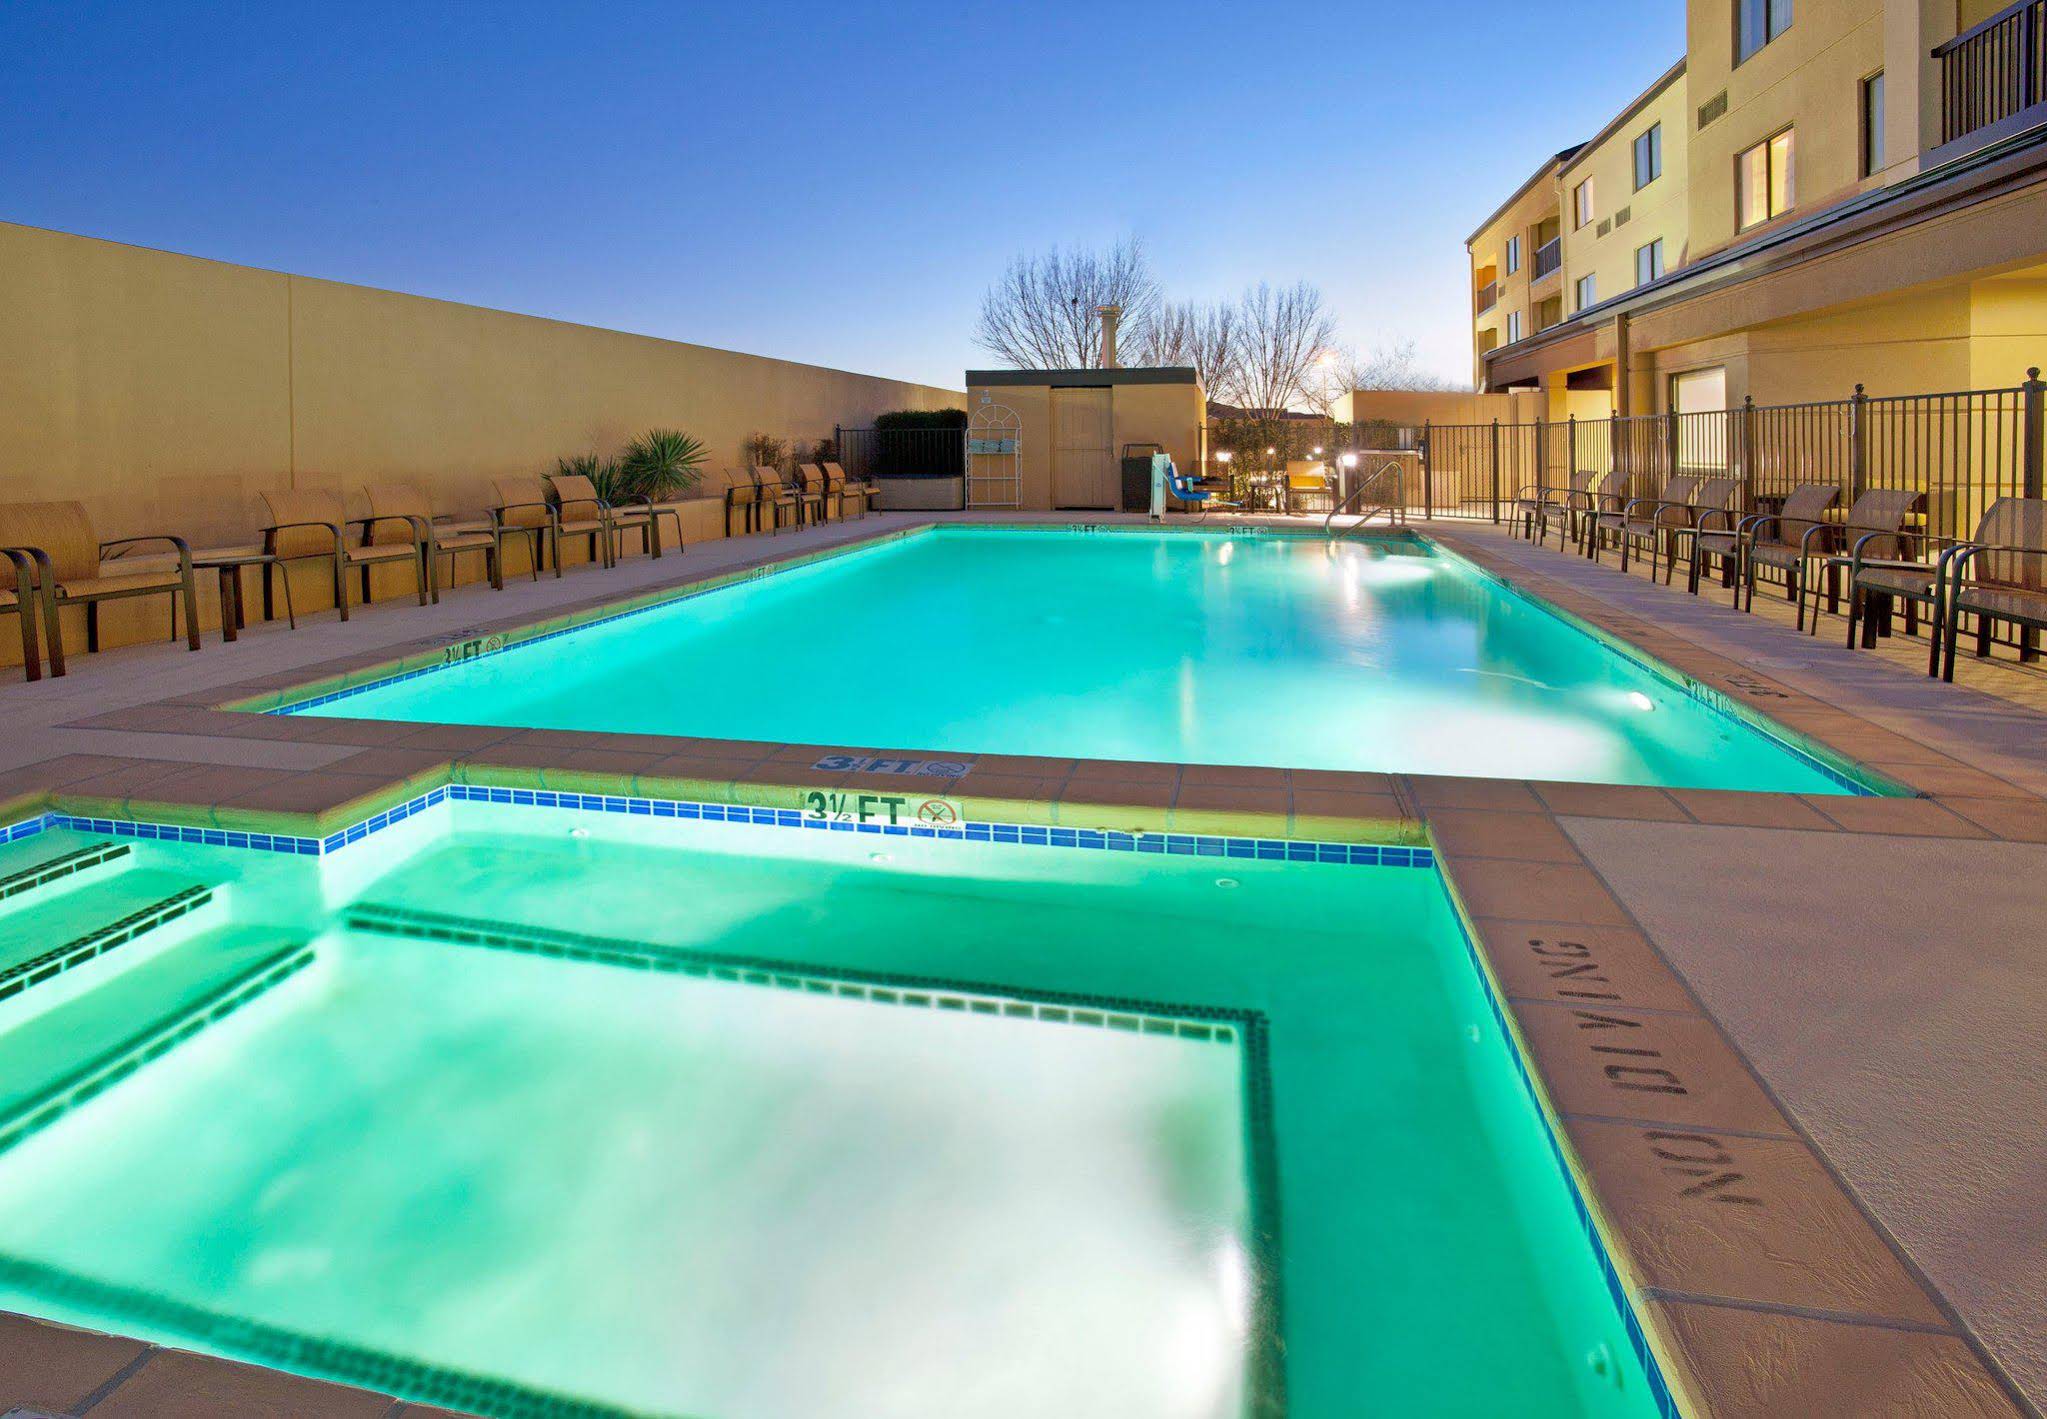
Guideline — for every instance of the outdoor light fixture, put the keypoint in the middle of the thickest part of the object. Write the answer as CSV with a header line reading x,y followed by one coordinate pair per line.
x,y
1223,456
1348,460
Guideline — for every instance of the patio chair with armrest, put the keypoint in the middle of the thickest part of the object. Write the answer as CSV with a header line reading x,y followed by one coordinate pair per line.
x,y
308,524
1800,524
772,493
1534,501
1648,520
1904,565
522,504
21,599
2000,575
817,490
1565,510
402,512
1609,496
74,567
866,489
1716,504
578,498
1876,519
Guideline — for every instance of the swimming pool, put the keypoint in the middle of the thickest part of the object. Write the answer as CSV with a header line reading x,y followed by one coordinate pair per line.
x,y
534,1110
1181,647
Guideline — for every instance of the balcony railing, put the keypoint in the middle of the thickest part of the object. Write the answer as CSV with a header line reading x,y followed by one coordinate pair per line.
x,y
1994,72
1489,295
1549,258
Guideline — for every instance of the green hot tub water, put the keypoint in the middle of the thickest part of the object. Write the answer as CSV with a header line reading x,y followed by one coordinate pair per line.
x,y
1181,647
824,1123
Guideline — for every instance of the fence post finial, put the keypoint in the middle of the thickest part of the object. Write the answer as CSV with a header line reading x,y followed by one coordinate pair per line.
x,y
2033,469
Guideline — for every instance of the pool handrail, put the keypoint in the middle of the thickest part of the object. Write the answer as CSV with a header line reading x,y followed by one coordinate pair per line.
x,y
1395,508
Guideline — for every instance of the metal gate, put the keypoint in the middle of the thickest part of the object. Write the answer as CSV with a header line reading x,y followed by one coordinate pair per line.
x,y
994,442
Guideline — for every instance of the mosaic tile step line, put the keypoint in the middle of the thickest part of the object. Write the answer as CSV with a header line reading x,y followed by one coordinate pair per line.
x,y
1144,1017
57,868
47,965
279,1348
152,1043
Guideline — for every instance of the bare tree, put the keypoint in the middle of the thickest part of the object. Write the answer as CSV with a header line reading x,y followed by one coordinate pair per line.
x,y
1042,314
1285,334
1394,366
1207,337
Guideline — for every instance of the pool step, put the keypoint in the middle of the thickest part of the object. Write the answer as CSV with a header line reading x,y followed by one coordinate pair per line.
x,y
26,886
75,941
66,1055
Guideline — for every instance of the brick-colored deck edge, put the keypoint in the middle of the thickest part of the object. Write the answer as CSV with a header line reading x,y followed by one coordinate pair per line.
x,y
1764,1285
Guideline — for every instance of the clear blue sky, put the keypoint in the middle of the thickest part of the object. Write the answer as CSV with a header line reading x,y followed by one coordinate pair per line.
x,y
828,182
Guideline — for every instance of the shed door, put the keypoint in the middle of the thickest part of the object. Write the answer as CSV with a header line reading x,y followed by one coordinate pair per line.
x,y
1083,465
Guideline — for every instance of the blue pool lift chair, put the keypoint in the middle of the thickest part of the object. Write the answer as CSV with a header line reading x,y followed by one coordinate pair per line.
x,y
1198,492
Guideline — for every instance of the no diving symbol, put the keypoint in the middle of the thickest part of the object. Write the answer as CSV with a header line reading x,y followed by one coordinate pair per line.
x,y
937,811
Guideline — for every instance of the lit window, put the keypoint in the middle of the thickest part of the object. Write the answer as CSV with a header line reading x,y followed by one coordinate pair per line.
x,y
1649,157
1756,23
1513,254
1648,262
1764,186
1873,124
1588,291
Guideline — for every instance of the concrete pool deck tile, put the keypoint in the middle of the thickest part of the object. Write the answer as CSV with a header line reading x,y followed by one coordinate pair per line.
x,y
1028,765
1733,808
331,800
1600,800
1593,966
1341,781
1231,776
1896,817
1702,1212
392,762
177,1384
1470,832
1122,771
1229,810
1351,817
1543,891
58,772
1949,779
2016,820
1748,1363
54,1367
1104,793
1435,791
1606,1061
454,738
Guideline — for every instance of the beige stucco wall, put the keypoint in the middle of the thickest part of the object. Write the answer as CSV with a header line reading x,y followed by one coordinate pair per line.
x,y
1416,407
1517,291
167,391
1659,210
1171,415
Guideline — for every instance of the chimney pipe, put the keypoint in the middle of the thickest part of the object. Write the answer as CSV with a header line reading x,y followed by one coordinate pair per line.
x,y
1111,315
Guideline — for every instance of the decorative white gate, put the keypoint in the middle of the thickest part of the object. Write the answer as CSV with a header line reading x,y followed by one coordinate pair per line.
x,y
994,436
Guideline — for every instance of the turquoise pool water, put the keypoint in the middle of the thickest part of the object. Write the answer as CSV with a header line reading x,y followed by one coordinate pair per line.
x,y
536,1111
1168,647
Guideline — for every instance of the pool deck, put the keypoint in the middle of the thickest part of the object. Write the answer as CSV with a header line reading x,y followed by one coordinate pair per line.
x,y
1821,1179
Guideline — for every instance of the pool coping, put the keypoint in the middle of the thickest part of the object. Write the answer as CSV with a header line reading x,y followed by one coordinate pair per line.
x,y
1725,1224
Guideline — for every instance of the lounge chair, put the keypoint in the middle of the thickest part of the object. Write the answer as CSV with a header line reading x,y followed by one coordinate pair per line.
x,y
1713,505
1796,533
817,491
401,512
1647,520
770,492
1609,496
72,567
2000,576
20,598
577,497
1890,565
309,525
524,503
863,488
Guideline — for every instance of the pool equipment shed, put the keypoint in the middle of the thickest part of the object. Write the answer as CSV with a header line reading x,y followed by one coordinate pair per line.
x,y
1071,427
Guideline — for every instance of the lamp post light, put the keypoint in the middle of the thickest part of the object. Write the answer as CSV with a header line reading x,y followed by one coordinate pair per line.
x,y
1346,462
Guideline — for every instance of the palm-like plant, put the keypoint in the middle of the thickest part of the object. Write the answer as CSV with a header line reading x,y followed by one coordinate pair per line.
x,y
660,463
602,472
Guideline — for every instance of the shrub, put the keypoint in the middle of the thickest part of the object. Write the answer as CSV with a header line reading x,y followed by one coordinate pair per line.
x,y
916,443
660,463
922,419
765,451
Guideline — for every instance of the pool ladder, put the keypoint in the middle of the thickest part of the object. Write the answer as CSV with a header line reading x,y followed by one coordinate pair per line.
x,y
1394,507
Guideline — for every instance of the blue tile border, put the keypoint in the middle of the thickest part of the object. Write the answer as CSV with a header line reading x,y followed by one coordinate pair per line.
x,y
1008,834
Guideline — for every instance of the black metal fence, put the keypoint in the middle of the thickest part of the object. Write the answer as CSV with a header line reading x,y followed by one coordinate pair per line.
x,y
903,453
1963,451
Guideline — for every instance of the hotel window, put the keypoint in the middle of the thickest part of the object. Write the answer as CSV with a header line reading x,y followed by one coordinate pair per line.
x,y
1581,204
1648,262
1588,291
1649,157
1513,254
1513,326
1764,185
1756,23
1873,124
